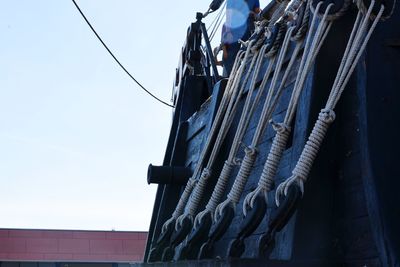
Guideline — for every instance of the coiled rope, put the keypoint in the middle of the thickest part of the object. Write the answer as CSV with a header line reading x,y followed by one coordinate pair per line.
x,y
234,194
355,47
247,113
264,27
315,39
234,78
198,191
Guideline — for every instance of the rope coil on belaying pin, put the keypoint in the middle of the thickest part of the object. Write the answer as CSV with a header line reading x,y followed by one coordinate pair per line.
x,y
249,199
221,184
224,176
191,209
247,112
182,220
240,181
234,195
206,173
315,39
354,49
314,47
167,231
304,164
237,70
233,105
242,126
231,162
266,181
196,198
283,129
225,211
246,166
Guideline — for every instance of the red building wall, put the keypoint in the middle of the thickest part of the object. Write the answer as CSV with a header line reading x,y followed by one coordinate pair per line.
x,y
71,246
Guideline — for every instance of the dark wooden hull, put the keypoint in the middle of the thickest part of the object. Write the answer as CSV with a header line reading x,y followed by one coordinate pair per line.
x,y
350,212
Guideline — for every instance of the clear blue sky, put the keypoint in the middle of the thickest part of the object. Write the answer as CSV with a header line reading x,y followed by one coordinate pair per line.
x,y
76,135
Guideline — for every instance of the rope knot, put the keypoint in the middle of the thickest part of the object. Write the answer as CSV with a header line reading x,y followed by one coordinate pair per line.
x,y
206,173
230,163
327,115
260,26
243,43
236,161
192,182
290,15
267,32
250,151
280,127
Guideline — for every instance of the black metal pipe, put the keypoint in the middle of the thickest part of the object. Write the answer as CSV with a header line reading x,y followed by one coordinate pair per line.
x,y
168,175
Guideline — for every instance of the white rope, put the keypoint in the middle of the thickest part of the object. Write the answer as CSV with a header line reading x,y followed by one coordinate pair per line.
x,y
279,12
233,79
266,25
291,10
247,113
355,48
220,114
221,16
305,21
228,118
334,16
278,146
198,191
246,166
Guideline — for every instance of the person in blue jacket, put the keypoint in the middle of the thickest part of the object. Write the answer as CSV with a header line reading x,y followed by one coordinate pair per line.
x,y
239,25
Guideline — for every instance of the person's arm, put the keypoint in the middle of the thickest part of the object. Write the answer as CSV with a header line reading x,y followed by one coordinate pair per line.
x,y
224,51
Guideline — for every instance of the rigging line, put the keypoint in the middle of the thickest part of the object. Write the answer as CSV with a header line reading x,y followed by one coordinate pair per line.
x,y
217,24
213,21
216,17
117,61
216,27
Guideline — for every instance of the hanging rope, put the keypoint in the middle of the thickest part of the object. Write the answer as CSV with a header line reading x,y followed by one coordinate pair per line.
x,y
233,196
218,22
228,118
244,121
315,39
356,45
116,59
237,71
264,28
215,19
279,12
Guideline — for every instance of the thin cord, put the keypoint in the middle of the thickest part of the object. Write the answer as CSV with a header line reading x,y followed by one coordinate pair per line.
x,y
218,22
213,21
216,27
116,60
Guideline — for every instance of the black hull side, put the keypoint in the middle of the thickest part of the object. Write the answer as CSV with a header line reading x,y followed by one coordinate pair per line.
x,y
350,214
